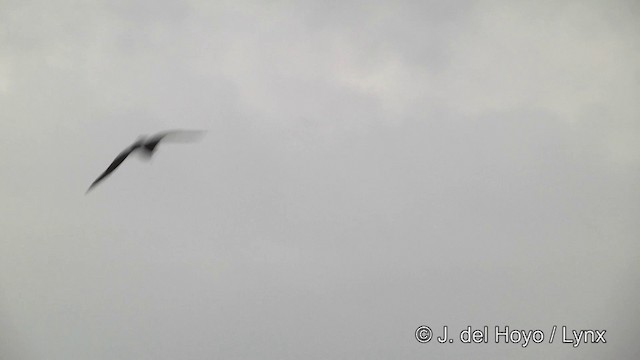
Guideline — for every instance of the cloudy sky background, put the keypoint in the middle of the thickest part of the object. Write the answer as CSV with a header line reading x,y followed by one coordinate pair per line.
x,y
369,167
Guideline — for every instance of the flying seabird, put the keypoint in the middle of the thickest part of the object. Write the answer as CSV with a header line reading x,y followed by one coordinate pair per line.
x,y
147,146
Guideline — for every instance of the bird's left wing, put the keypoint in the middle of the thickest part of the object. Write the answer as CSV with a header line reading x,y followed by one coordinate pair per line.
x,y
116,162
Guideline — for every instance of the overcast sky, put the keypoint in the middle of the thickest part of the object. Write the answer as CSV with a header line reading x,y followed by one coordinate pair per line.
x,y
368,167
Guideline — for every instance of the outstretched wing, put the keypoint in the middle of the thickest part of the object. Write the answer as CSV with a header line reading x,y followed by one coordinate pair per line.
x,y
172,136
116,162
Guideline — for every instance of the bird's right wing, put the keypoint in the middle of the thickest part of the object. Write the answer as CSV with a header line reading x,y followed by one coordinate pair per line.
x,y
116,162
179,136
173,136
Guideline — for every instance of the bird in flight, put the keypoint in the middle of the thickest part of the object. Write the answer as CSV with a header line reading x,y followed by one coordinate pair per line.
x,y
147,146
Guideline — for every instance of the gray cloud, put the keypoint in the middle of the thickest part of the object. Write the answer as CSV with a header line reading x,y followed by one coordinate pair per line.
x,y
368,168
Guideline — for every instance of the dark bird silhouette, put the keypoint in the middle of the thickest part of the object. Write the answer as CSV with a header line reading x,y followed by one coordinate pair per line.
x,y
147,146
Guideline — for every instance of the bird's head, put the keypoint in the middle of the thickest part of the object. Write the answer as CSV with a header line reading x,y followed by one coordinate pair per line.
x,y
140,140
